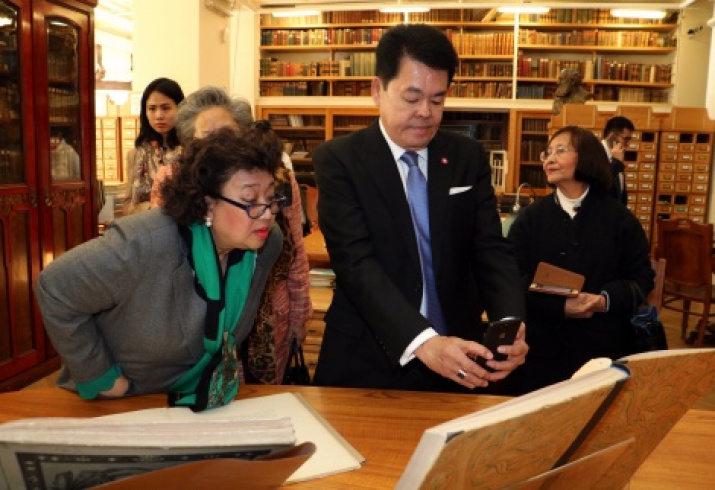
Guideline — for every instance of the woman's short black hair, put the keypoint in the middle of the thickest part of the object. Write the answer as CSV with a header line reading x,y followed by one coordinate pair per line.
x,y
169,88
593,166
208,163
422,43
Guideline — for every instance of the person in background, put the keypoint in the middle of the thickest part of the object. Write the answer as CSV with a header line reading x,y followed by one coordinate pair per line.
x,y
64,159
157,144
580,228
285,306
617,136
412,283
164,294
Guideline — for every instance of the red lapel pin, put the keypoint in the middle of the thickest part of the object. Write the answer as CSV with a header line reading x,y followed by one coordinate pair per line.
x,y
444,161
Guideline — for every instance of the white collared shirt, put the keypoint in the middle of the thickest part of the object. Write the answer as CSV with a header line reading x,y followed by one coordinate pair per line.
x,y
403,169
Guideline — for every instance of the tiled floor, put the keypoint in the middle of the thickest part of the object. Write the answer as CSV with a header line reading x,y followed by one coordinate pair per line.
x,y
671,321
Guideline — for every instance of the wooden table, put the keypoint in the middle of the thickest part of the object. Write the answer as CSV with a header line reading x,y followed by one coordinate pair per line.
x,y
385,427
315,249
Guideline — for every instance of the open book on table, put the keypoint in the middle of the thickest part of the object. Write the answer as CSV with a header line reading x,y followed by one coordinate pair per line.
x,y
260,430
639,397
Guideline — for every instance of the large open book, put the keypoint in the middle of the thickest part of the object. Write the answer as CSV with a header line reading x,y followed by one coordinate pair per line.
x,y
640,397
54,452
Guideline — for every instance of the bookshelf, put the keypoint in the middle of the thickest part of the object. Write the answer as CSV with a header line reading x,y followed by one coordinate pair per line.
x,y
302,129
500,57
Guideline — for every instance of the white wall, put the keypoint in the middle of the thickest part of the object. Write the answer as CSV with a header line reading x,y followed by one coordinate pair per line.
x,y
244,56
181,40
693,54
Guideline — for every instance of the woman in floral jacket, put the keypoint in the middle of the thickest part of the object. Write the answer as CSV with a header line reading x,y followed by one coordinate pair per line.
x,y
157,144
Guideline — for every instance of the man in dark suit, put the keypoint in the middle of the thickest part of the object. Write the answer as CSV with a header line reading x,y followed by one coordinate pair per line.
x,y
392,273
617,136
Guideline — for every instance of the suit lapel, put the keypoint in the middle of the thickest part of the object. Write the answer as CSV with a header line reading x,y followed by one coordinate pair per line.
x,y
377,161
439,181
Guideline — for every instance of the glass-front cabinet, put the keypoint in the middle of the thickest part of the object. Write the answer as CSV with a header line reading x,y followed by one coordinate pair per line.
x,y
46,164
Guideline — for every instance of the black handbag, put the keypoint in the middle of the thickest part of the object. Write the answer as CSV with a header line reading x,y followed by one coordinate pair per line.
x,y
296,372
648,331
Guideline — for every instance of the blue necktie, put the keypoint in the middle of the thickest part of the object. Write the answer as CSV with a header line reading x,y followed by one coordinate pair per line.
x,y
417,197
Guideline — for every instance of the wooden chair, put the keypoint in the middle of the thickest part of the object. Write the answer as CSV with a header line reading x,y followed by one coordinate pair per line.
x,y
687,248
655,297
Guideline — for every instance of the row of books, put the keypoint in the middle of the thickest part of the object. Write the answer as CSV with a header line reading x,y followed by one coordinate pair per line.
x,y
537,125
488,43
549,67
321,37
632,72
601,69
559,16
478,69
322,278
272,89
356,64
531,149
595,37
352,89
588,16
482,90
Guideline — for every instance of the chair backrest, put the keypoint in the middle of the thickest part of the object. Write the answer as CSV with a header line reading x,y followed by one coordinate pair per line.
x,y
655,297
687,248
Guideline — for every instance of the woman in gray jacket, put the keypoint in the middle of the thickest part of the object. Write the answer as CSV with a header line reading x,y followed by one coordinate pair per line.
x,y
160,301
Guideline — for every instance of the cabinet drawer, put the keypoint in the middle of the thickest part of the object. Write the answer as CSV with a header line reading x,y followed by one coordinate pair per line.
x,y
666,186
645,186
644,198
702,157
109,122
686,147
647,176
666,176
700,187
686,157
702,147
129,122
670,136
670,147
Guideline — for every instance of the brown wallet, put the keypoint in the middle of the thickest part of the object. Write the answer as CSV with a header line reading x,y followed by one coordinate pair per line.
x,y
555,280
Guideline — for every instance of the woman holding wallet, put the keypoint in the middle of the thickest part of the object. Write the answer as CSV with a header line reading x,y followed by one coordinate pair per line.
x,y
582,229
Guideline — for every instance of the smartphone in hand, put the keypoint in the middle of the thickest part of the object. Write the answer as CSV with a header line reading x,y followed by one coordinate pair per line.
x,y
500,332
612,140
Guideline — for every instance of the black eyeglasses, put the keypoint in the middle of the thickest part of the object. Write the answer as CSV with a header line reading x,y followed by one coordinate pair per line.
x,y
627,139
255,211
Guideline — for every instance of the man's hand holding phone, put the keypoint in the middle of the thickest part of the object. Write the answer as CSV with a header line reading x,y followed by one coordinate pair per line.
x,y
457,359
618,151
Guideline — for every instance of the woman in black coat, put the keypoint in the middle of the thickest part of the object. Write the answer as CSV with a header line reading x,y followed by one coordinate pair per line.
x,y
581,228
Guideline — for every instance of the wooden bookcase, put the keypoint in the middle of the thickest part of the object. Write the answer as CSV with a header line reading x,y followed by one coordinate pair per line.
x,y
528,137
47,165
500,57
302,129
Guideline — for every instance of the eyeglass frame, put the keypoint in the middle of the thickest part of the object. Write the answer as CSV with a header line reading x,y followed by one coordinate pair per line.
x,y
279,199
626,139
544,155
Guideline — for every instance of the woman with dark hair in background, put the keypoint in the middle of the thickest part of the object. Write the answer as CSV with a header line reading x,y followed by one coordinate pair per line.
x,y
157,144
580,228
